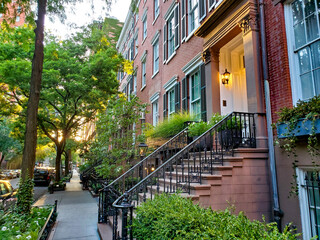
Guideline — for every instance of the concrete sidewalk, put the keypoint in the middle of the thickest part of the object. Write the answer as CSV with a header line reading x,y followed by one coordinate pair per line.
x,y
77,212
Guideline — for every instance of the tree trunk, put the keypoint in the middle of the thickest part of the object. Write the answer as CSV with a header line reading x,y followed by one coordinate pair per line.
x,y
1,158
58,163
30,140
68,159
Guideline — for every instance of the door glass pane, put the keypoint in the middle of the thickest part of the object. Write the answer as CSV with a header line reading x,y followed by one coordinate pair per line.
x,y
312,27
297,11
299,34
307,86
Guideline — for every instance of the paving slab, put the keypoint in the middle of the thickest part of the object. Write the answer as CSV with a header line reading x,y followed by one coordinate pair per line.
x,y
77,212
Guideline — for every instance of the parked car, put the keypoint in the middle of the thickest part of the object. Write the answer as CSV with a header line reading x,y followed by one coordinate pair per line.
x,y
41,176
7,195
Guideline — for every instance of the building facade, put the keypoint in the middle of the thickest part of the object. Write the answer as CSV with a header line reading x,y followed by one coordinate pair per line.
x,y
271,48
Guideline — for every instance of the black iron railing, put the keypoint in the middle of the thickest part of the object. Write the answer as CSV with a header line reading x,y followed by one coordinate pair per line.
x,y
87,175
115,189
201,156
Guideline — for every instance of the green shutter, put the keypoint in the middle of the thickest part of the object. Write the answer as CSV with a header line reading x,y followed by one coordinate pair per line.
x,y
165,107
177,97
203,93
184,95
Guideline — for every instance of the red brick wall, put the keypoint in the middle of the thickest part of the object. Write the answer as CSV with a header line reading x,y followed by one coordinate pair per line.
x,y
279,75
184,54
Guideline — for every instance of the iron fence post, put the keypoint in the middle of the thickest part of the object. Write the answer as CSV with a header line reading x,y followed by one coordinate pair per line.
x,y
125,209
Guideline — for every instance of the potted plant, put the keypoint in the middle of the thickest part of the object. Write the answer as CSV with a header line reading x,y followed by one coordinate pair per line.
x,y
57,186
195,130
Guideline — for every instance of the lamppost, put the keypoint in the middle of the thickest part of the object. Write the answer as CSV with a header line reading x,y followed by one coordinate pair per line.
x,y
143,147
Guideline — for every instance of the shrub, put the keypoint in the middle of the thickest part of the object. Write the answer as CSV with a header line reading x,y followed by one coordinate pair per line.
x,y
196,129
23,226
170,127
175,217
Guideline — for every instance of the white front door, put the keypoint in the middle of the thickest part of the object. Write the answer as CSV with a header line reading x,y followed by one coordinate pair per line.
x,y
234,94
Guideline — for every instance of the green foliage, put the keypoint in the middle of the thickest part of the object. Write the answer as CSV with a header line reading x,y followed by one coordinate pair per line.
x,y
9,146
25,195
308,111
115,143
198,128
175,217
170,127
20,226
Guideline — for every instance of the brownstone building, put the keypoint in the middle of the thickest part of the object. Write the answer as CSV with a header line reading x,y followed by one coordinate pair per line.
x,y
271,48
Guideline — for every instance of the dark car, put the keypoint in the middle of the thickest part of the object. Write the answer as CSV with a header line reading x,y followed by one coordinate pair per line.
x,y
7,195
41,176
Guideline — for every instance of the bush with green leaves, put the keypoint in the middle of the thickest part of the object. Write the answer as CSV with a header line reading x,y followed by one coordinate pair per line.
x,y
175,217
14,225
171,126
25,195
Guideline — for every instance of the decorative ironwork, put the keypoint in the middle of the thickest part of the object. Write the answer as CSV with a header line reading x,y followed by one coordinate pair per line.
x,y
137,173
188,164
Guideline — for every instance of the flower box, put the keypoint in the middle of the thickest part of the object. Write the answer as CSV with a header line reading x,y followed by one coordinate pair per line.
x,y
303,128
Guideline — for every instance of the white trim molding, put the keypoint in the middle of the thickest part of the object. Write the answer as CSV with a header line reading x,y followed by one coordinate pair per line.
x,y
143,56
170,84
191,65
155,37
154,97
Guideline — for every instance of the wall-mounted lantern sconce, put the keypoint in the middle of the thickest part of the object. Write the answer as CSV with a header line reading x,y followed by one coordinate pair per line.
x,y
225,77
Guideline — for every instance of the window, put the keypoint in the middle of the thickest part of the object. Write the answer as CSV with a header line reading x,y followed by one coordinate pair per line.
x,y
143,82
309,200
18,19
213,4
195,94
155,113
304,47
171,32
144,26
135,84
170,35
156,57
156,8
171,102
193,16
136,45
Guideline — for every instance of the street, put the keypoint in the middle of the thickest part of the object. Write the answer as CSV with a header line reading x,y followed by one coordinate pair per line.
x,y
38,190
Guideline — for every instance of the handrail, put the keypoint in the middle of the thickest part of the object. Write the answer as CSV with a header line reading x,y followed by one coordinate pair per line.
x,y
220,125
116,188
159,149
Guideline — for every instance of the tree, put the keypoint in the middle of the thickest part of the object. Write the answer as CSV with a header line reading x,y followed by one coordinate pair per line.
x,y
55,7
78,76
116,139
9,146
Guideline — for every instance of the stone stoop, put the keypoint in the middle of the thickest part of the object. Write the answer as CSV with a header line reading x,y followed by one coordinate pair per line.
x,y
245,186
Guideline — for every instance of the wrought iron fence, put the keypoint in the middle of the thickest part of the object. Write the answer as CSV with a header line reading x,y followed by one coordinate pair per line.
x,y
187,166
135,174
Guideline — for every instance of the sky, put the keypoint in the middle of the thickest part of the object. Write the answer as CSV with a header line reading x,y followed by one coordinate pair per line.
x,y
82,14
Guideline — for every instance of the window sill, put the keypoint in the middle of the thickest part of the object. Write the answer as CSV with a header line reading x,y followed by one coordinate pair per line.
x,y
190,35
154,74
172,55
143,87
144,40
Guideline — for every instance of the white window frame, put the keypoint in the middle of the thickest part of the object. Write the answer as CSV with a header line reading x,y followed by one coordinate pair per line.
x,y
215,4
156,57
294,66
171,111
144,25
143,74
190,92
170,40
195,9
304,203
136,43
156,5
